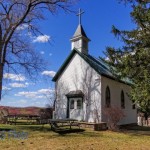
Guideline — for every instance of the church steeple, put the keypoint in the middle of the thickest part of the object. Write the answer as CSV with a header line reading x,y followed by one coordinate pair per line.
x,y
80,39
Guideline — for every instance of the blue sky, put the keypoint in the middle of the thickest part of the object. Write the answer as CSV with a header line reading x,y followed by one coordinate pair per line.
x,y
97,21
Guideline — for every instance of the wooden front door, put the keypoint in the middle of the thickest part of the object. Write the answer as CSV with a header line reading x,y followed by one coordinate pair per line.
x,y
75,108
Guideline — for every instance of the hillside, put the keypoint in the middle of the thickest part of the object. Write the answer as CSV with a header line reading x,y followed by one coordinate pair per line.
x,y
24,110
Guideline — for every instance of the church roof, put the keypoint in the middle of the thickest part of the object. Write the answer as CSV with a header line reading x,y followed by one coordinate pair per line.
x,y
97,64
80,32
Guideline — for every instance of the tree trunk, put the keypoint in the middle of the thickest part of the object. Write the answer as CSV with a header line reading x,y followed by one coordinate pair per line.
x,y
1,78
1,62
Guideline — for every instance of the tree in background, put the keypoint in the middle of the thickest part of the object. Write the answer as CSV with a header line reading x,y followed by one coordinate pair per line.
x,y
46,113
133,59
3,113
16,53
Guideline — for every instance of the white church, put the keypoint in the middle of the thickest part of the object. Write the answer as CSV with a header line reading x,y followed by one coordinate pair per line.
x,y
85,86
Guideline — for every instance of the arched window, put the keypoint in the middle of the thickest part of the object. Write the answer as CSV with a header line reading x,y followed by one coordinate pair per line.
x,y
122,100
107,96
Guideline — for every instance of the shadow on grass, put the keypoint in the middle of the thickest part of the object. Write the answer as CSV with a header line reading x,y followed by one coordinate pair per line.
x,y
136,127
33,128
40,128
60,132
136,130
5,129
67,131
28,127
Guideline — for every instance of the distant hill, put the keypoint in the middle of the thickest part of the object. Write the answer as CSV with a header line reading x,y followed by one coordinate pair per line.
x,y
25,110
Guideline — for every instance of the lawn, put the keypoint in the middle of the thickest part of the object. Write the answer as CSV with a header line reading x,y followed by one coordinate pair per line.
x,y
44,139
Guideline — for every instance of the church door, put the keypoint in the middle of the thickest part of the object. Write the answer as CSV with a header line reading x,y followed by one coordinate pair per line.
x,y
75,110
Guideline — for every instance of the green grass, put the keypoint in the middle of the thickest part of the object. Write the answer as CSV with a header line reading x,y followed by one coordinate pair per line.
x,y
44,139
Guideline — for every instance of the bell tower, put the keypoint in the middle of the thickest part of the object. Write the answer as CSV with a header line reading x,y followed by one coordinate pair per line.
x,y
80,40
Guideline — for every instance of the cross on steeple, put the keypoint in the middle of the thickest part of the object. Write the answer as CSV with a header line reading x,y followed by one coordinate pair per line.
x,y
80,40
79,14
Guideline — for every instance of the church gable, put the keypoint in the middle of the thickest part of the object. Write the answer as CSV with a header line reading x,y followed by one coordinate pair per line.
x,y
75,71
87,58
97,64
63,66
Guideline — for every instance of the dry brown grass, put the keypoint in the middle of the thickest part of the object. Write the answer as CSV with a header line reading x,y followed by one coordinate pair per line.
x,y
44,139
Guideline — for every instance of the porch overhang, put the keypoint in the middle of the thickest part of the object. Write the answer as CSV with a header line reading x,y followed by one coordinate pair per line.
x,y
77,93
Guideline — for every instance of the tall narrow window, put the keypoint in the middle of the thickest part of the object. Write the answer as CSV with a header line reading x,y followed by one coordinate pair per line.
x,y
72,104
133,106
79,104
107,96
122,100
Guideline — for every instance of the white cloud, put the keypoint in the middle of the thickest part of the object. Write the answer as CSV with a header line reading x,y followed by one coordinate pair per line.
x,y
18,103
17,85
41,39
22,27
49,73
46,91
26,83
14,77
38,103
42,93
42,52
40,96
27,94
23,101
5,88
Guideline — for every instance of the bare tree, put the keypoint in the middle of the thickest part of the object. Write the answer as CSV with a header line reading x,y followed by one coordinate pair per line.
x,y
16,54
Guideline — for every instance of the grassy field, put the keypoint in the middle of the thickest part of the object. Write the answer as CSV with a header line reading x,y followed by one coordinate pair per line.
x,y
44,139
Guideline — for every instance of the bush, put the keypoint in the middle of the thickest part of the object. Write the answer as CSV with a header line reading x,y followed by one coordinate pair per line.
x,y
113,115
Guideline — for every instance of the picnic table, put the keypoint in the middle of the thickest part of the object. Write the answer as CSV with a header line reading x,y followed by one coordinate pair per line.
x,y
57,123
14,118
